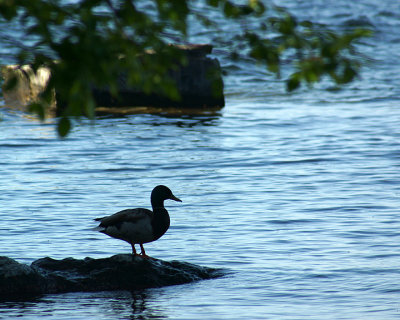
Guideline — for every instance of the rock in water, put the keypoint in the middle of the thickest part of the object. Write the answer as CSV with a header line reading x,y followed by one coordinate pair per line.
x,y
18,279
199,83
119,272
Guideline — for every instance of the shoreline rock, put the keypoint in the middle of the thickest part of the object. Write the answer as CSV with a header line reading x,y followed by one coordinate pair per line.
x,y
118,272
199,83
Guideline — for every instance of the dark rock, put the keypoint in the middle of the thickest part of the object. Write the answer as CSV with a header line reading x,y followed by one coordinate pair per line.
x,y
199,83
19,279
119,272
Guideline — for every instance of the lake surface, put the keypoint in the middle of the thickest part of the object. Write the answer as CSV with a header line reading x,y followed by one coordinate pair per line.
x,y
296,195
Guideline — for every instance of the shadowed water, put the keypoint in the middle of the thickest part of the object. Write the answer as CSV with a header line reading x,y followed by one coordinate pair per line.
x,y
296,194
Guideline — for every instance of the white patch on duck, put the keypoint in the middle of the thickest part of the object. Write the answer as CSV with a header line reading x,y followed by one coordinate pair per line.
x,y
139,231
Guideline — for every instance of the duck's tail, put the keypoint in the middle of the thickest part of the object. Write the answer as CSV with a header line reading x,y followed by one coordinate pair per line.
x,y
99,228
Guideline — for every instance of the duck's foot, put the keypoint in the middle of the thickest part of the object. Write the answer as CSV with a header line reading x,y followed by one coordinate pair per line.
x,y
145,256
141,255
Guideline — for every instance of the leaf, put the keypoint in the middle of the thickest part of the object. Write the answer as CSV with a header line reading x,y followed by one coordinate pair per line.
x,y
258,7
213,3
11,83
348,74
38,109
8,9
63,126
90,108
230,10
287,25
292,84
362,32
306,24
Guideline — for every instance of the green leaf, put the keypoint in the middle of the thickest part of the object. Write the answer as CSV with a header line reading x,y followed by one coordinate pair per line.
x,y
292,84
230,10
348,74
11,83
213,3
258,7
63,126
287,25
8,9
38,109
90,108
306,24
362,32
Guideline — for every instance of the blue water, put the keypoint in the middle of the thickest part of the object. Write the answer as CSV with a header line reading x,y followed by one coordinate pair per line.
x,y
297,195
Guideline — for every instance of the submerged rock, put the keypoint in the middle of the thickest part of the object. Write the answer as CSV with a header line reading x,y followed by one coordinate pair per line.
x,y
119,272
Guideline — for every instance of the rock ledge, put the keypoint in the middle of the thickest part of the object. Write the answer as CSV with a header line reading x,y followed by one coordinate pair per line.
x,y
119,272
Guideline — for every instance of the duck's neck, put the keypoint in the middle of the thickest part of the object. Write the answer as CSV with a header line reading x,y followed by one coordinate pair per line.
x,y
157,204
160,222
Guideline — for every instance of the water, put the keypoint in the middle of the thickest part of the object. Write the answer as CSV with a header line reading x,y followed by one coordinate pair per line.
x,y
297,195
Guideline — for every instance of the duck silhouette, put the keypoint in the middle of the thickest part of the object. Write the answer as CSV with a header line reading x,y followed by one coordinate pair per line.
x,y
139,225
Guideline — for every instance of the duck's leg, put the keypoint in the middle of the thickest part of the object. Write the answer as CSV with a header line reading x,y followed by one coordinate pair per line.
x,y
133,249
142,252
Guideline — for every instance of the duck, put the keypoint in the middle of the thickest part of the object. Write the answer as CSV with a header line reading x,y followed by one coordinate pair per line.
x,y
139,225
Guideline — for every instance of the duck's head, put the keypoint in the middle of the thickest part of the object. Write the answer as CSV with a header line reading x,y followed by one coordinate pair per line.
x,y
161,193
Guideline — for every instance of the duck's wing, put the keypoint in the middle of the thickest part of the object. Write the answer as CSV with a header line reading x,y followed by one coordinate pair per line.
x,y
127,215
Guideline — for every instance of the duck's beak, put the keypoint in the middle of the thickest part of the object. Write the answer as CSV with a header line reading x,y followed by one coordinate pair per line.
x,y
175,198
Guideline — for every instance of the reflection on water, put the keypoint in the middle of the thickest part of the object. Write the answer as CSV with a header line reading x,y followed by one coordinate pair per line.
x,y
141,309
135,305
123,305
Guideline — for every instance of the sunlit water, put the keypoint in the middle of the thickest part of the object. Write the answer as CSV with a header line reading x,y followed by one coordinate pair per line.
x,y
296,195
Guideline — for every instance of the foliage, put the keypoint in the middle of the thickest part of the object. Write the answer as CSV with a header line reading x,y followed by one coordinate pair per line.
x,y
89,43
